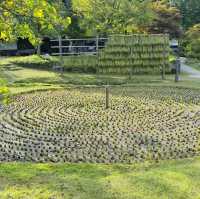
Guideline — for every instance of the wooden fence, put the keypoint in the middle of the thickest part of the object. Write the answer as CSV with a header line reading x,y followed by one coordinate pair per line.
x,y
68,47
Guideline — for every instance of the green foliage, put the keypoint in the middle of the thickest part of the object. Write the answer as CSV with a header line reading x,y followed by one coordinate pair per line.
x,y
113,16
190,11
31,19
192,42
172,58
168,19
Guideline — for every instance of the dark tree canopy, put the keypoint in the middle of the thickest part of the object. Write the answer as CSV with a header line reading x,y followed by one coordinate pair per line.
x,y
190,11
168,19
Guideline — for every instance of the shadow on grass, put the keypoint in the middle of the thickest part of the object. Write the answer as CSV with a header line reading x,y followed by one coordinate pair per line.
x,y
89,79
11,67
76,79
36,80
36,66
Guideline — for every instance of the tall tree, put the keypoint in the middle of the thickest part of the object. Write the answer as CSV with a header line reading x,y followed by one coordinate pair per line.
x,y
190,11
168,19
113,16
192,41
74,29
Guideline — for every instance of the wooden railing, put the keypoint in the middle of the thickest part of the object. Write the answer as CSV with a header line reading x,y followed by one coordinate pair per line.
x,y
68,47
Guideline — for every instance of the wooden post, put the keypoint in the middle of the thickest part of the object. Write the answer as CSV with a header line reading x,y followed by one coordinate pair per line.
x,y
131,67
178,66
163,66
70,46
107,97
131,73
163,72
61,55
60,50
97,54
97,44
166,36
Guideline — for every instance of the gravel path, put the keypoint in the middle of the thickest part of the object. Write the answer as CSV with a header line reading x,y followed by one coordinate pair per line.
x,y
191,71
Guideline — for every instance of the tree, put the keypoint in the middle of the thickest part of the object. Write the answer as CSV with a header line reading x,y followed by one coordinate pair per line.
x,y
113,16
190,11
168,19
32,19
192,41
74,29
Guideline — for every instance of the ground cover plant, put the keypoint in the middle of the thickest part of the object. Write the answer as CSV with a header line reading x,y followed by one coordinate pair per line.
x,y
72,125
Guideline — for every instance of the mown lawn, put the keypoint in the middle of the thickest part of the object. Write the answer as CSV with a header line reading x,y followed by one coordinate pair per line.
x,y
23,79
178,179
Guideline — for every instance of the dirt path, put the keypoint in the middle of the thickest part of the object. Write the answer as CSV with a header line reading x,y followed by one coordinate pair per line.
x,y
193,73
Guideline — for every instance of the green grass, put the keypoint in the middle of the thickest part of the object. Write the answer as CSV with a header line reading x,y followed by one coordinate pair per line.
x,y
24,88
178,179
22,79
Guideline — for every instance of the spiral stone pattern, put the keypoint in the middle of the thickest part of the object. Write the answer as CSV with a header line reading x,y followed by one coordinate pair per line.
x,y
72,125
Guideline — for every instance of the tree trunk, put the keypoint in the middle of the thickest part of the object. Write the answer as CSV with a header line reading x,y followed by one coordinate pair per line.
x,y
107,97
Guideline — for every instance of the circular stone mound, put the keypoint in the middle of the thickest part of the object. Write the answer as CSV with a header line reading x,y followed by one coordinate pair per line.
x,y
74,126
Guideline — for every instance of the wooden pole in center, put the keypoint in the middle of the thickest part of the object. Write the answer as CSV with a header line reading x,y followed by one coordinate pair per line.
x,y
107,97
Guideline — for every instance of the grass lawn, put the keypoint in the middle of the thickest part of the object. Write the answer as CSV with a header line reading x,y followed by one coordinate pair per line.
x,y
23,79
178,179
